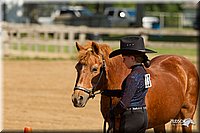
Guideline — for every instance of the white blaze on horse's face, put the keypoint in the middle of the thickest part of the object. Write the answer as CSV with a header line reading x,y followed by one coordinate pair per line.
x,y
85,76
88,69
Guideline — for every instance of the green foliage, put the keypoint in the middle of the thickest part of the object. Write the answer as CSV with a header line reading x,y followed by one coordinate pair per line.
x,y
163,7
124,5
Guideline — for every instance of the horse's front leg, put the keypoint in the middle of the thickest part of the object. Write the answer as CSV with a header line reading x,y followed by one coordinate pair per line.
x,y
160,129
117,125
110,127
187,129
114,126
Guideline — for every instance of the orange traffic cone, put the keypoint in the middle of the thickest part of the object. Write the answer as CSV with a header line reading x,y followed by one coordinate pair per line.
x,y
27,130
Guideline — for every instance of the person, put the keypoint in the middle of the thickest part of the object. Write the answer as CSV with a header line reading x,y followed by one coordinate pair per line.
x,y
132,107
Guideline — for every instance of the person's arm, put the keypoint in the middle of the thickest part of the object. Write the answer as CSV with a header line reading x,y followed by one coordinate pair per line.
x,y
128,94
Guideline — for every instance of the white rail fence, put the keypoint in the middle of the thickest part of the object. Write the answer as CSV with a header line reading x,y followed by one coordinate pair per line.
x,y
58,41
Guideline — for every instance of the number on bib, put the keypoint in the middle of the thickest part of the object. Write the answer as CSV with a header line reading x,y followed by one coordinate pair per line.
x,y
147,81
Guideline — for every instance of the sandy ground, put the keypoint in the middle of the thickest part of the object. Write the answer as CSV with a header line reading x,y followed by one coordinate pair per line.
x,y
38,94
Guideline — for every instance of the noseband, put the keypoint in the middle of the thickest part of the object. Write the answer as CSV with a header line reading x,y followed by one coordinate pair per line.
x,y
92,93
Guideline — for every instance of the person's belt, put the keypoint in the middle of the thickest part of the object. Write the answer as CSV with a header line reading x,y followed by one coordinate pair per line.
x,y
136,108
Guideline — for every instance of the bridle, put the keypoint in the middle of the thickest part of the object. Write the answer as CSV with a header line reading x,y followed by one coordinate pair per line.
x,y
109,93
92,93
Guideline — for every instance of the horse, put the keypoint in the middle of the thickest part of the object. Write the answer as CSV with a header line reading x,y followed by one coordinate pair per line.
x,y
172,96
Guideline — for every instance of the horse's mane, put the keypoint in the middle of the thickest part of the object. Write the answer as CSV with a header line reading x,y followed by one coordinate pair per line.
x,y
87,51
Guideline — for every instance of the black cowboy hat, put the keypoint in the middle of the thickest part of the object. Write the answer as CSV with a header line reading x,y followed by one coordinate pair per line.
x,y
131,45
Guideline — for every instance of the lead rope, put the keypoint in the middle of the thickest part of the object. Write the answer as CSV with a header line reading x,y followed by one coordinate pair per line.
x,y
104,126
112,122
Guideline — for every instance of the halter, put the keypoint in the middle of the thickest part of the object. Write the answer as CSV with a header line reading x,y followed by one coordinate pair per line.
x,y
109,93
92,93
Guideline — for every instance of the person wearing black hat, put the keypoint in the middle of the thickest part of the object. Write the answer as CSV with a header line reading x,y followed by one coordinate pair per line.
x,y
131,106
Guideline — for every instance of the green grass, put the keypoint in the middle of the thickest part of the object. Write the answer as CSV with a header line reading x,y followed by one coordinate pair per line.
x,y
42,48
160,50
176,51
173,50
190,52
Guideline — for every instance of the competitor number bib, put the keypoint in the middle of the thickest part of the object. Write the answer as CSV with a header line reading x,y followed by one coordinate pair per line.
x,y
147,81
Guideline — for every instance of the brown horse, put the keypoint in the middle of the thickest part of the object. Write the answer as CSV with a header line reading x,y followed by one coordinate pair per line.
x,y
173,95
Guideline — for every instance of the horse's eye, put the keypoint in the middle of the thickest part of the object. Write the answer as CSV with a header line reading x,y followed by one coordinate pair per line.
x,y
94,69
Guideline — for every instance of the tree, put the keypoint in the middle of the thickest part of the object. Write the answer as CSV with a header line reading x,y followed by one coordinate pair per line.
x,y
163,7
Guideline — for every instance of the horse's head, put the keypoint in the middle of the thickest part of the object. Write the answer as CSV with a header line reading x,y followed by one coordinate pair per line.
x,y
90,73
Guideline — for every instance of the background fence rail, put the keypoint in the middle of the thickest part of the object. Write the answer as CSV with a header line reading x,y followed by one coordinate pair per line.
x,y
57,41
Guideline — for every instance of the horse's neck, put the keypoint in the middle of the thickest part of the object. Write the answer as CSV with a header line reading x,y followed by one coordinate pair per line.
x,y
116,73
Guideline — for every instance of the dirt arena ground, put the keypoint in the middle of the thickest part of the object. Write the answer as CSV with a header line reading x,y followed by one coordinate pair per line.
x,y
38,94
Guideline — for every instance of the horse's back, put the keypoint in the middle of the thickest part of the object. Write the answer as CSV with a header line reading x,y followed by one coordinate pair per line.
x,y
170,61
179,67
174,64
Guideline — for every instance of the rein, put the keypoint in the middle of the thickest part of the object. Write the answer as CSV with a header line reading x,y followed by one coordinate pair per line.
x,y
92,93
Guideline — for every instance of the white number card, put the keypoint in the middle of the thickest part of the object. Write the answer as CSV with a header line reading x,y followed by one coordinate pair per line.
x,y
147,81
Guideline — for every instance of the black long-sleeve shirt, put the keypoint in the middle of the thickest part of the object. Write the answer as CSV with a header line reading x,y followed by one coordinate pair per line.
x,y
134,90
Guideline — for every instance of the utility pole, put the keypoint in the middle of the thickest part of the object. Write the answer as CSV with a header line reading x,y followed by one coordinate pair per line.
x,y
3,11
139,14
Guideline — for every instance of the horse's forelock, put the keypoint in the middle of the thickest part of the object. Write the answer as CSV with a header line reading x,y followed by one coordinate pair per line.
x,y
87,51
84,55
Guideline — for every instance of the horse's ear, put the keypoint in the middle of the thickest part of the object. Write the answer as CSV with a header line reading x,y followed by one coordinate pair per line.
x,y
95,47
78,46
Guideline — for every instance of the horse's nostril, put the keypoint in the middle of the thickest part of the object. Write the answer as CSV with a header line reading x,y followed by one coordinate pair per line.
x,y
81,98
75,101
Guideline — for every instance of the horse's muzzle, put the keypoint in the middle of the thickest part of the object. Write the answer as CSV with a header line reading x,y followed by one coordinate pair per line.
x,y
79,99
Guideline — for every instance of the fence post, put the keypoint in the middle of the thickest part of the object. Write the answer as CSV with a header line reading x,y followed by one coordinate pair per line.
x,y
46,36
36,35
145,37
82,37
71,35
6,46
55,37
181,20
162,20
36,46
62,36
60,47
19,48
